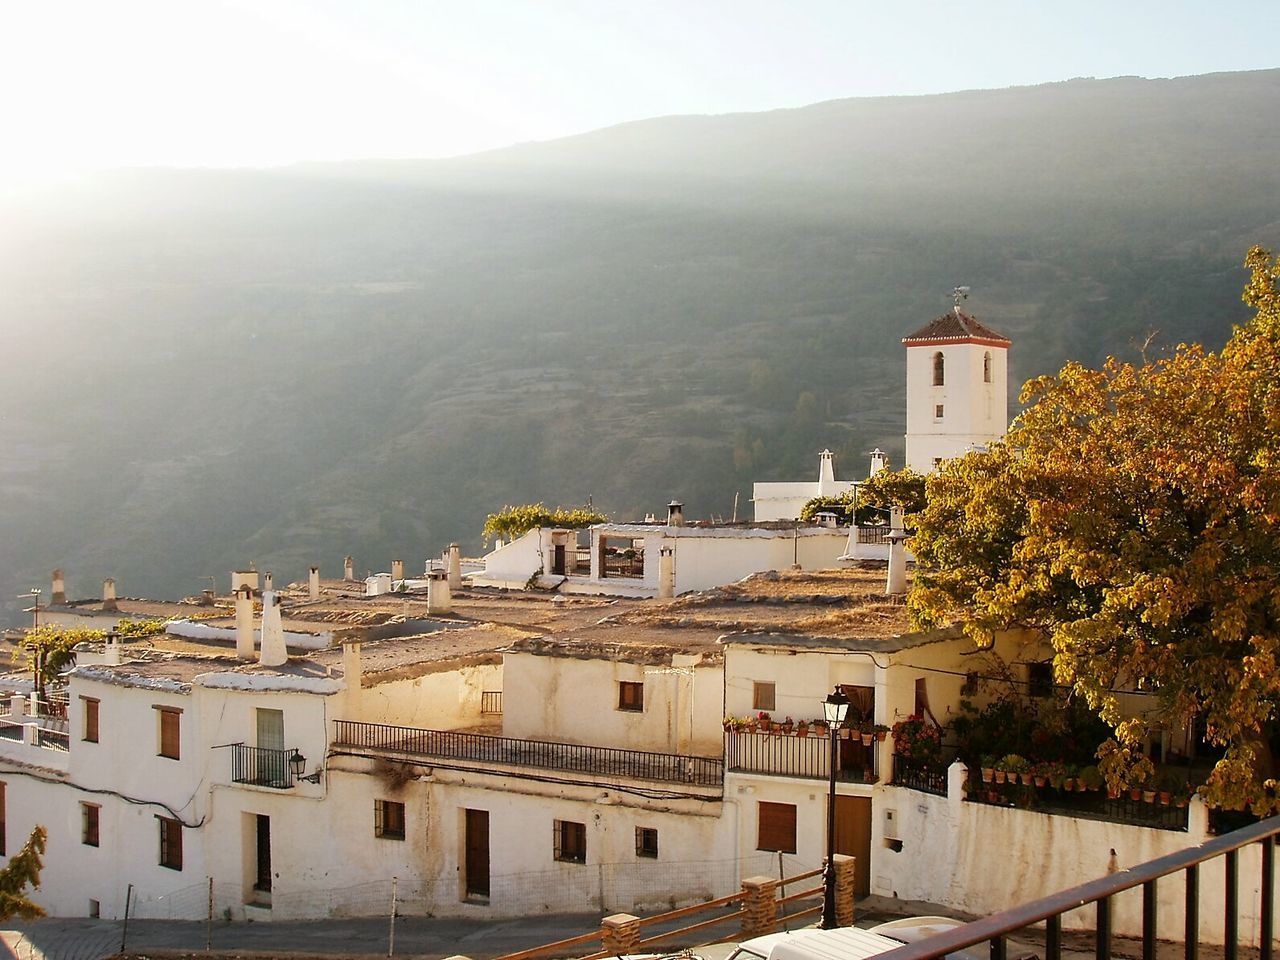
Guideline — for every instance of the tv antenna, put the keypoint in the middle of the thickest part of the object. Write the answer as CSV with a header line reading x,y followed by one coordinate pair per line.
x,y
958,294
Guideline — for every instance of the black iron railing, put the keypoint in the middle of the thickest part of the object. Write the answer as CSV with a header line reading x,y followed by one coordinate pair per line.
x,y
873,535
12,731
546,755
261,766
787,755
1100,893
1085,805
915,775
491,702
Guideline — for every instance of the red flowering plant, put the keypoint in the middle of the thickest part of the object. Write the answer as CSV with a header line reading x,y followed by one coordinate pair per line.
x,y
918,739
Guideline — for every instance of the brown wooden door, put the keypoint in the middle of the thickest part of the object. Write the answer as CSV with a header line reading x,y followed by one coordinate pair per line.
x,y
557,560
853,837
477,844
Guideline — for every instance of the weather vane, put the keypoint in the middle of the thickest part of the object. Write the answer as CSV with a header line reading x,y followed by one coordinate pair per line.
x,y
958,294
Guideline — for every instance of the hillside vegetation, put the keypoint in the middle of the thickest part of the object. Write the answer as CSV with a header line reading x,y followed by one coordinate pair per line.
x,y
204,368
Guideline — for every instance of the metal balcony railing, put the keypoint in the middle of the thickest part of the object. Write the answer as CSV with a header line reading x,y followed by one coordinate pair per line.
x,y
261,766
915,775
1100,893
792,756
541,754
491,702
53,739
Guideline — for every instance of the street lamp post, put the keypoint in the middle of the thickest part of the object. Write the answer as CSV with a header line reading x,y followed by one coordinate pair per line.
x,y
834,709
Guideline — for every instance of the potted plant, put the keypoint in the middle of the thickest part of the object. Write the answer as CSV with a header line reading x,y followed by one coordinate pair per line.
x,y
820,728
764,721
749,724
730,723
787,726
1090,778
917,739
1012,766
802,728
987,764
881,731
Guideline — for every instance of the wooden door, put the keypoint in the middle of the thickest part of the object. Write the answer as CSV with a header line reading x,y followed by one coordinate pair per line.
x,y
853,837
477,853
557,560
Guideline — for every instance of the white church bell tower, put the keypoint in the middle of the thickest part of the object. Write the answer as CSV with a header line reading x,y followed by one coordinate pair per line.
x,y
957,388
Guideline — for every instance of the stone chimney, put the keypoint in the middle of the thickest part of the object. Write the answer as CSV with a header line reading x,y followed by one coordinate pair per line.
x,y
244,622
825,518
675,514
272,653
268,582
348,568
313,583
879,461
59,593
439,597
455,567
397,570
897,583
666,573
109,596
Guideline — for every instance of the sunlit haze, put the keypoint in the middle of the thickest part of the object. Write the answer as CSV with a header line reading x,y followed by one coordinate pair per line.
x,y
265,82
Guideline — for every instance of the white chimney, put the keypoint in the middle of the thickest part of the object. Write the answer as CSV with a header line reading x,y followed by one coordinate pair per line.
x,y
109,596
352,674
397,570
111,649
897,583
59,592
666,573
348,568
244,578
439,597
272,652
455,567
879,461
268,581
675,514
826,474
313,583
244,622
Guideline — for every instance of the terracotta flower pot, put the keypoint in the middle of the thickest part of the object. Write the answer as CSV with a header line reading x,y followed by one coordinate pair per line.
x,y
1135,793
1038,781
1027,779
1148,796
1000,776
988,774
880,735
1165,797
867,739
802,731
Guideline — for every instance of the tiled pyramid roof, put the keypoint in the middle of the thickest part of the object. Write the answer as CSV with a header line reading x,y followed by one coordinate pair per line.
x,y
955,325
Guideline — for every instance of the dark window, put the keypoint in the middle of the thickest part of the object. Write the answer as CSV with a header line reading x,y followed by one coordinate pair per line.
x,y
570,841
89,817
922,698
777,827
986,367
388,819
630,695
170,843
764,696
170,719
1040,679
647,842
939,373
937,411
90,719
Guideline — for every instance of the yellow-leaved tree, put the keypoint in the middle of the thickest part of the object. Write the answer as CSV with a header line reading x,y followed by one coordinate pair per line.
x,y
1132,513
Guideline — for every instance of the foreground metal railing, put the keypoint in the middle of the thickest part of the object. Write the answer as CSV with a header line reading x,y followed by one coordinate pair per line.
x,y
786,755
261,766
543,754
995,929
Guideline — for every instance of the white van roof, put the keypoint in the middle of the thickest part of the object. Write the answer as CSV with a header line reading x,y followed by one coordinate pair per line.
x,y
843,943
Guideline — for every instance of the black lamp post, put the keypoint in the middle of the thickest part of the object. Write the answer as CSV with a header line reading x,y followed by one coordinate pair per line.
x,y
834,709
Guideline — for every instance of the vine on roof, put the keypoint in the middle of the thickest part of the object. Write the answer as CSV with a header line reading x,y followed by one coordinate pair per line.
x,y
512,522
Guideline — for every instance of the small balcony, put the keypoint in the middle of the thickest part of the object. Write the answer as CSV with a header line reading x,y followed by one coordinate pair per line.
x,y
486,752
262,766
807,757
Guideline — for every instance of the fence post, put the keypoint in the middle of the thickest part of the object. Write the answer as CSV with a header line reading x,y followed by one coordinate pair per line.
x,y
846,878
124,933
391,936
759,906
619,933
208,926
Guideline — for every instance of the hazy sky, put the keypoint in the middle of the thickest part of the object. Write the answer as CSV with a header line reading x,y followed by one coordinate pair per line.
x,y
99,83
